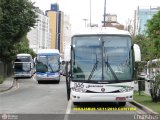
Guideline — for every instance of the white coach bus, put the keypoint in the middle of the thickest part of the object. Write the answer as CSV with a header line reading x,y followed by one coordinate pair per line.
x,y
23,66
48,65
102,66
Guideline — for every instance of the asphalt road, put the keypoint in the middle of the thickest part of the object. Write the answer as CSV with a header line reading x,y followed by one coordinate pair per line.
x,y
29,100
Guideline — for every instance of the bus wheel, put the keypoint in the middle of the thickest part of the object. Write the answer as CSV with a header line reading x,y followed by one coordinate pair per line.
x,y
58,81
39,82
122,104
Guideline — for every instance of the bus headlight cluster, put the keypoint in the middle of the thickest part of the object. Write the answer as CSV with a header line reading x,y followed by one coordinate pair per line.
x,y
128,89
79,90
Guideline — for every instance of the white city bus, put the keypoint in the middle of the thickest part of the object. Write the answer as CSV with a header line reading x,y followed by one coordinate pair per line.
x,y
153,68
48,65
23,65
102,66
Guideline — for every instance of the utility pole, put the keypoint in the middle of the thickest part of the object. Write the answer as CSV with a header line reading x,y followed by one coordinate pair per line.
x,y
90,13
104,20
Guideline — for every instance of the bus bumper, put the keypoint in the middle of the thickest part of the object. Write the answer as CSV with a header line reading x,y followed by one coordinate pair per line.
x,y
101,97
56,78
22,75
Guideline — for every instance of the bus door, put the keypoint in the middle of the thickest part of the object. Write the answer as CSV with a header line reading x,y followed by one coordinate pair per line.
x,y
68,80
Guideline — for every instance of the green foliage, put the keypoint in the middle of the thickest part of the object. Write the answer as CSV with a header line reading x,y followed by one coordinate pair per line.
x,y
153,26
150,49
16,19
153,32
155,93
146,100
1,79
145,46
150,44
23,47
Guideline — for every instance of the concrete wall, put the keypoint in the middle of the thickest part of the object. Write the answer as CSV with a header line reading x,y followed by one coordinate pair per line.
x,y
6,70
1,69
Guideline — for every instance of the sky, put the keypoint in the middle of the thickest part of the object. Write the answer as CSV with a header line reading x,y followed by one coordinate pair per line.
x,y
80,9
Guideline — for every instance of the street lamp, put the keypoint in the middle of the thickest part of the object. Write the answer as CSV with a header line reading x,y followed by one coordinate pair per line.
x,y
85,20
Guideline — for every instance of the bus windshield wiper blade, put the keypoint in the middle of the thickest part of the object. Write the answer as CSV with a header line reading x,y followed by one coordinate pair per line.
x,y
51,67
109,66
94,68
113,73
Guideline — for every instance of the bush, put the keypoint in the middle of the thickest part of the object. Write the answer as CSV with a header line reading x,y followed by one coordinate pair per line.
x,y
1,79
155,89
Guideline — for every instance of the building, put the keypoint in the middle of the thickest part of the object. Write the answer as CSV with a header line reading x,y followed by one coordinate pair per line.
x,y
66,38
40,36
56,25
53,27
142,14
111,21
60,31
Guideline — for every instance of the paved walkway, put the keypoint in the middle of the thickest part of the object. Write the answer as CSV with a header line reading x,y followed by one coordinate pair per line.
x,y
7,84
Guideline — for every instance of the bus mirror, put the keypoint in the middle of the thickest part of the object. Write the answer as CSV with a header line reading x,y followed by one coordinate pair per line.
x,y
63,62
35,60
137,53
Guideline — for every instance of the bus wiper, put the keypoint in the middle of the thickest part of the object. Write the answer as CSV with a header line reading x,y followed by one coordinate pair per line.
x,y
109,66
51,67
94,68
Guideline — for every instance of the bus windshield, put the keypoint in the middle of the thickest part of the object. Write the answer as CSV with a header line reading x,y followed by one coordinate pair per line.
x,y
47,63
24,58
23,64
98,58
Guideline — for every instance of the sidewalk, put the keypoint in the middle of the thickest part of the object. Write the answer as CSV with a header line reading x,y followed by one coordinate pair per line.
x,y
7,84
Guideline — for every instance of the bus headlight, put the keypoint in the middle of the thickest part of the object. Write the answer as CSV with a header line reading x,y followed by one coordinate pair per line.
x,y
79,90
128,89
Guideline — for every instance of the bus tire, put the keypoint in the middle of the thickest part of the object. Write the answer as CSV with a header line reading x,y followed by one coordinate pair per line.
x,y
39,82
58,81
122,104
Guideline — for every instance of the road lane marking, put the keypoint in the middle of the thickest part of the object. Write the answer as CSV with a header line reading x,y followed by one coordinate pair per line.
x,y
68,110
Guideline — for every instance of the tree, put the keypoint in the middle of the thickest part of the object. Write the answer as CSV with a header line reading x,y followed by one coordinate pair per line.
x,y
150,49
23,47
142,41
153,32
16,19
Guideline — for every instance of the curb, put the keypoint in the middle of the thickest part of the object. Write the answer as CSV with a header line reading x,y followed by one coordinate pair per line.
x,y
144,108
10,87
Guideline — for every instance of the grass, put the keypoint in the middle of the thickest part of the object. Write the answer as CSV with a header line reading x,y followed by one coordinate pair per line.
x,y
146,100
1,79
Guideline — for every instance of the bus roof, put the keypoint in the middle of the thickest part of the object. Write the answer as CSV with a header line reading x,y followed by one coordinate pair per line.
x,y
23,54
101,30
155,60
48,51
